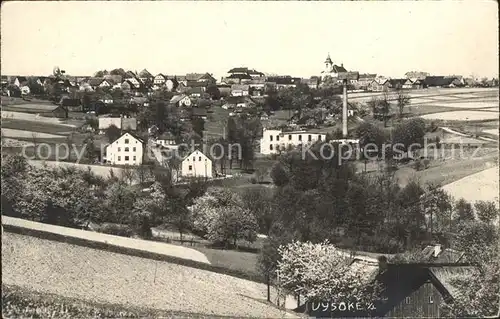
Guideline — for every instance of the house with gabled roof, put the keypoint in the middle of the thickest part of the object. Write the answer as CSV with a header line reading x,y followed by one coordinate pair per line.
x,y
144,76
159,79
196,164
412,290
379,85
128,149
181,100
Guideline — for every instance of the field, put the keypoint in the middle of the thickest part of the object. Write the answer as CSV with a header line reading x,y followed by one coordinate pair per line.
x,y
492,131
479,186
462,116
93,275
25,134
445,171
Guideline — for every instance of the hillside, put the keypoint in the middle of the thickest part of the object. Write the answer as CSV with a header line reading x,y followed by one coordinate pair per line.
x,y
94,275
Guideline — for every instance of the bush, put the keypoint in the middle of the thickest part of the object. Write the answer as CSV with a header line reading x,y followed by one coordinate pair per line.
x,y
417,165
116,229
426,163
253,180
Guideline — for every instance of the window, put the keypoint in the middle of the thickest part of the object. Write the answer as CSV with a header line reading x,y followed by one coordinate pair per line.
x,y
190,167
271,147
194,159
126,149
431,300
199,158
205,159
300,137
277,138
289,137
271,138
407,300
126,141
119,158
319,137
133,158
126,158
133,149
309,138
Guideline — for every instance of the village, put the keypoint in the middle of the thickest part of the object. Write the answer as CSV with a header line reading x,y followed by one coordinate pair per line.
x,y
216,175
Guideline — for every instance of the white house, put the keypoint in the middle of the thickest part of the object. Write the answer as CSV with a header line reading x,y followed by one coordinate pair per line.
x,y
126,150
275,140
166,140
196,164
159,80
123,123
181,100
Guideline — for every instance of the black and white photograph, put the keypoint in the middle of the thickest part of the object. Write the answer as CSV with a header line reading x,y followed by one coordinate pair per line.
x,y
250,159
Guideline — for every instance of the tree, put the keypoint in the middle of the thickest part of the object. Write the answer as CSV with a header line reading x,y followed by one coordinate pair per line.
x,y
381,107
371,135
112,133
402,100
259,201
279,175
411,131
127,174
463,211
232,223
119,203
142,173
89,148
321,272
486,211
214,92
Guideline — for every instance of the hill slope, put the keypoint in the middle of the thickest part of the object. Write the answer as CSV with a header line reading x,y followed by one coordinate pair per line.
x,y
89,274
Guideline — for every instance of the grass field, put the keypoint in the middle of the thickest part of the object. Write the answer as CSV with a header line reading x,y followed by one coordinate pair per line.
x,y
479,186
93,275
462,116
28,134
448,171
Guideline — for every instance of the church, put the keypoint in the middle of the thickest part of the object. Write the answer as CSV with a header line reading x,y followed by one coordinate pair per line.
x,y
331,70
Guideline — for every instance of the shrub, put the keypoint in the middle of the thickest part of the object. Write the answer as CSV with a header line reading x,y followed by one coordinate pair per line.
x,y
426,163
417,165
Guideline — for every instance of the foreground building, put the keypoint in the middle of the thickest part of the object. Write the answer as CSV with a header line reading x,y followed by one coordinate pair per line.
x,y
196,164
126,150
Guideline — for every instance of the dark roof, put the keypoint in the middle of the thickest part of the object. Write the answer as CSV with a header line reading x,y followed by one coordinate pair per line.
x,y
339,69
396,82
95,81
239,76
196,84
238,70
446,255
255,72
195,90
198,76
145,74
283,80
130,74
239,99
438,80
166,136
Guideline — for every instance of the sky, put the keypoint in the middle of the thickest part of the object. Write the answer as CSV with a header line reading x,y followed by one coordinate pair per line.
x,y
285,38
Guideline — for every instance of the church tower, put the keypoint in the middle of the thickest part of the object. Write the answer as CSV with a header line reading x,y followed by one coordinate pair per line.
x,y
328,64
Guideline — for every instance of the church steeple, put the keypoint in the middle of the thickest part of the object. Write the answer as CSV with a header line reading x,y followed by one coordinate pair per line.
x,y
328,60
328,64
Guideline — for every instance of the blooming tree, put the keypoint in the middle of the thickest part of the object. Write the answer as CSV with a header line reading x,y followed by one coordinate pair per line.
x,y
321,271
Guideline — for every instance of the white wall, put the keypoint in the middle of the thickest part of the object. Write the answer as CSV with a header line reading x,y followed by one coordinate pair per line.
x,y
196,164
105,122
126,150
274,139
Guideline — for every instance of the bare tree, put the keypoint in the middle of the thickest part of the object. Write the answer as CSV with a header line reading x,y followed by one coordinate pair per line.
x,y
127,174
142,173
402,100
